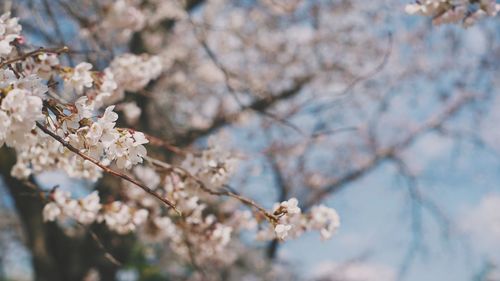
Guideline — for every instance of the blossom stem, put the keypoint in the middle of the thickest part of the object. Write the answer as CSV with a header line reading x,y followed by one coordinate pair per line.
x,y
107,169
60,50
244,200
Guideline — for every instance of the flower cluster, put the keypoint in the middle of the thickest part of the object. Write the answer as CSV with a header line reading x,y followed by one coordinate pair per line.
x,y
65,118
214,166
122,18
291,222
100,139
9,32
134,72
121,218
160,10
450,11
200,229
287,211
84,211
44,153
131,112
20,107
107,91
116,215
24,88
79,78
127,72
324,219
41,66
97,138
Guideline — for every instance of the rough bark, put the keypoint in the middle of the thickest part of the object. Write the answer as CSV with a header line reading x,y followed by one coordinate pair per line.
x,y
29,208
55,254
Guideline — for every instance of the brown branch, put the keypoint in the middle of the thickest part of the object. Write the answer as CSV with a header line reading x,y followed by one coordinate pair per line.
x,y
226,192
54,22
34,53
244,200
259,105
107,169
283,189
101,246
374,71
433,123
215,60
155,141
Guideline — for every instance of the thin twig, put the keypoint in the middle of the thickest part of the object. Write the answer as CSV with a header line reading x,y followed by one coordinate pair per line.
x,y
107,169
161,143
226,192
101,246
42,195
213,57
34,53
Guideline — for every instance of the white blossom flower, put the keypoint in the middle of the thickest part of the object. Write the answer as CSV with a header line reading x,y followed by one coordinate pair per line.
x,y
452,11
20,171
282,230
94,134
85,108
140,216
60,196
45,65
190,164
89,208
147,175
291,206
128,150
51,211
4,126
121,218
222,234
33,84
108,91
131,111
162,227
9,32
20,112
80,77
7,78
133,73
124,19
107,122
325,219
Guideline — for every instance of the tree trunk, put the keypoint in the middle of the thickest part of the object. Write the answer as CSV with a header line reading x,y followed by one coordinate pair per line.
x,y
57,256
29,208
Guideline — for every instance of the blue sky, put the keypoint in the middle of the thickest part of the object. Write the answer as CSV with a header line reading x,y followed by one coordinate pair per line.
x,y
376,219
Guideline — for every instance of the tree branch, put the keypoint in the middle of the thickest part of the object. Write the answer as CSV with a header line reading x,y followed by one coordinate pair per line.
x,y
259,105
433,123
107,169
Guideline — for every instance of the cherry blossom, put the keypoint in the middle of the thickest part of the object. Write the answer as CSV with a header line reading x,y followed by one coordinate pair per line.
x,y
131,111
133,72
66,119
80,77
20,109
444,12
282,230
9,31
